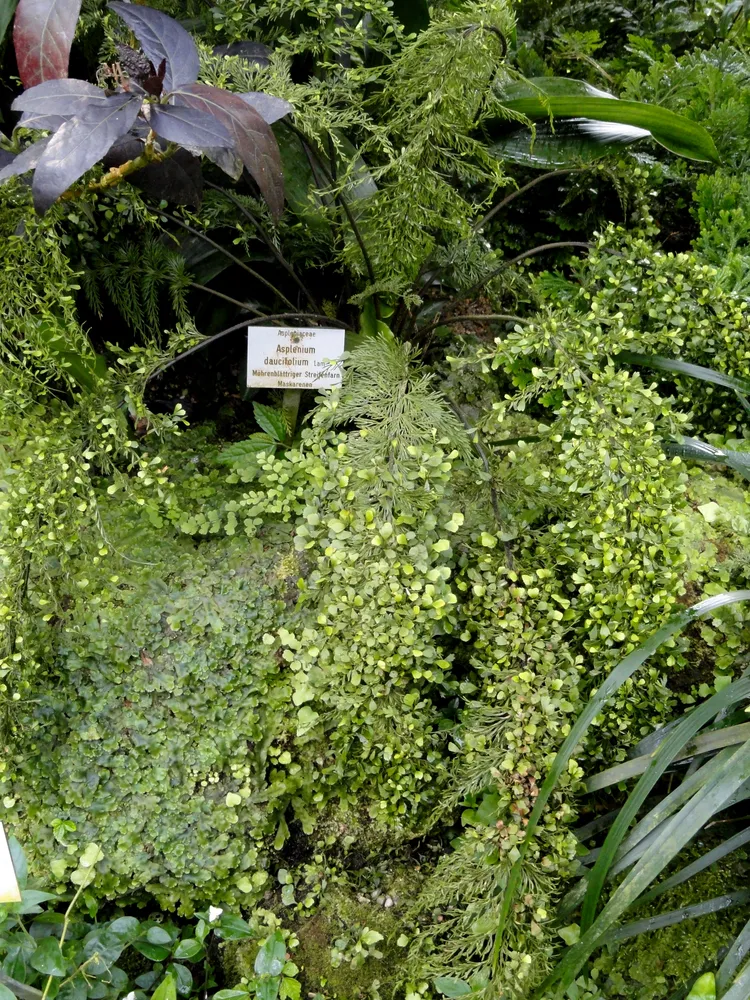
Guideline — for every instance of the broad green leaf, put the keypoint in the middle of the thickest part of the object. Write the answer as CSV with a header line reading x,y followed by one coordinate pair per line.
x,y
271,421
20,864
5,993
624,669
232,928
271,956
48,958
156,952
157,935
183,978
290,989
230,995
544,98
704,988
447,986
167,990
188,949
7,10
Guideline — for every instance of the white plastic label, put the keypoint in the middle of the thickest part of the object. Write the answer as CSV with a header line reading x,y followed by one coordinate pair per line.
x,y
9,892
294,357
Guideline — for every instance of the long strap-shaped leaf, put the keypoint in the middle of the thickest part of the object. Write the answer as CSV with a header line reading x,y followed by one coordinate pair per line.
x,y
681,829
733,959
705,743
661,363
624,669
680,135
699,865
662,758
740,988
673,917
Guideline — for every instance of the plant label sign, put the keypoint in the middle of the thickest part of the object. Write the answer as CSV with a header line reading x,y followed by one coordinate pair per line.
x,y
294,357
9,892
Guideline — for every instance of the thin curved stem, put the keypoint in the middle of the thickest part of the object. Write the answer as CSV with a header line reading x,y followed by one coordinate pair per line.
x,y
523,256
268,241
522,190
341,200
241,326
227,253
227,298
450,320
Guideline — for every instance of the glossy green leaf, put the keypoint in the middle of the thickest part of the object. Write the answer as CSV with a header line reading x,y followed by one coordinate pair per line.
x,y
704,988
166,990
48,958
545,98
271,421
271,956
18,857
187,949
447,986
5,993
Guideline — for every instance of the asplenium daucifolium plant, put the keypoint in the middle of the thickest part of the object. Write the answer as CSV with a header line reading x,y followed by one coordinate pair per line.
x,y
156,107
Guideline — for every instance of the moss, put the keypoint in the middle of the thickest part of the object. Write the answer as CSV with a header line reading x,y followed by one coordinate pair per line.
x,y
653,965
343,913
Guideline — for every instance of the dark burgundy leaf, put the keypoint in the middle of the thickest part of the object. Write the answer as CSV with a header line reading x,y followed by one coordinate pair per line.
x,y
252,138
79,144
25,161
42,35
161,37
227,160
255,52
178,180
269,108
188,126
154,82
48,123
59,97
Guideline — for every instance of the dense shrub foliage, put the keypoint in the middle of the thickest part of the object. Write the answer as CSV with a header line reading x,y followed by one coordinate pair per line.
x,y
310,660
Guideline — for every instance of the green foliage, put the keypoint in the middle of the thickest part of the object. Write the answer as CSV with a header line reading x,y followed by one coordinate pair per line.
x,y
50,953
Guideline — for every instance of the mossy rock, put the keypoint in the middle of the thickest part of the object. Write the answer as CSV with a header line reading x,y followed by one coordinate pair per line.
x,y
345,914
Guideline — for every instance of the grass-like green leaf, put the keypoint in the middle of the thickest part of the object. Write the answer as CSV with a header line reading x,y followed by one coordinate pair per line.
x,y
679,367
733,959
624,669
655,923
661,760
709,800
